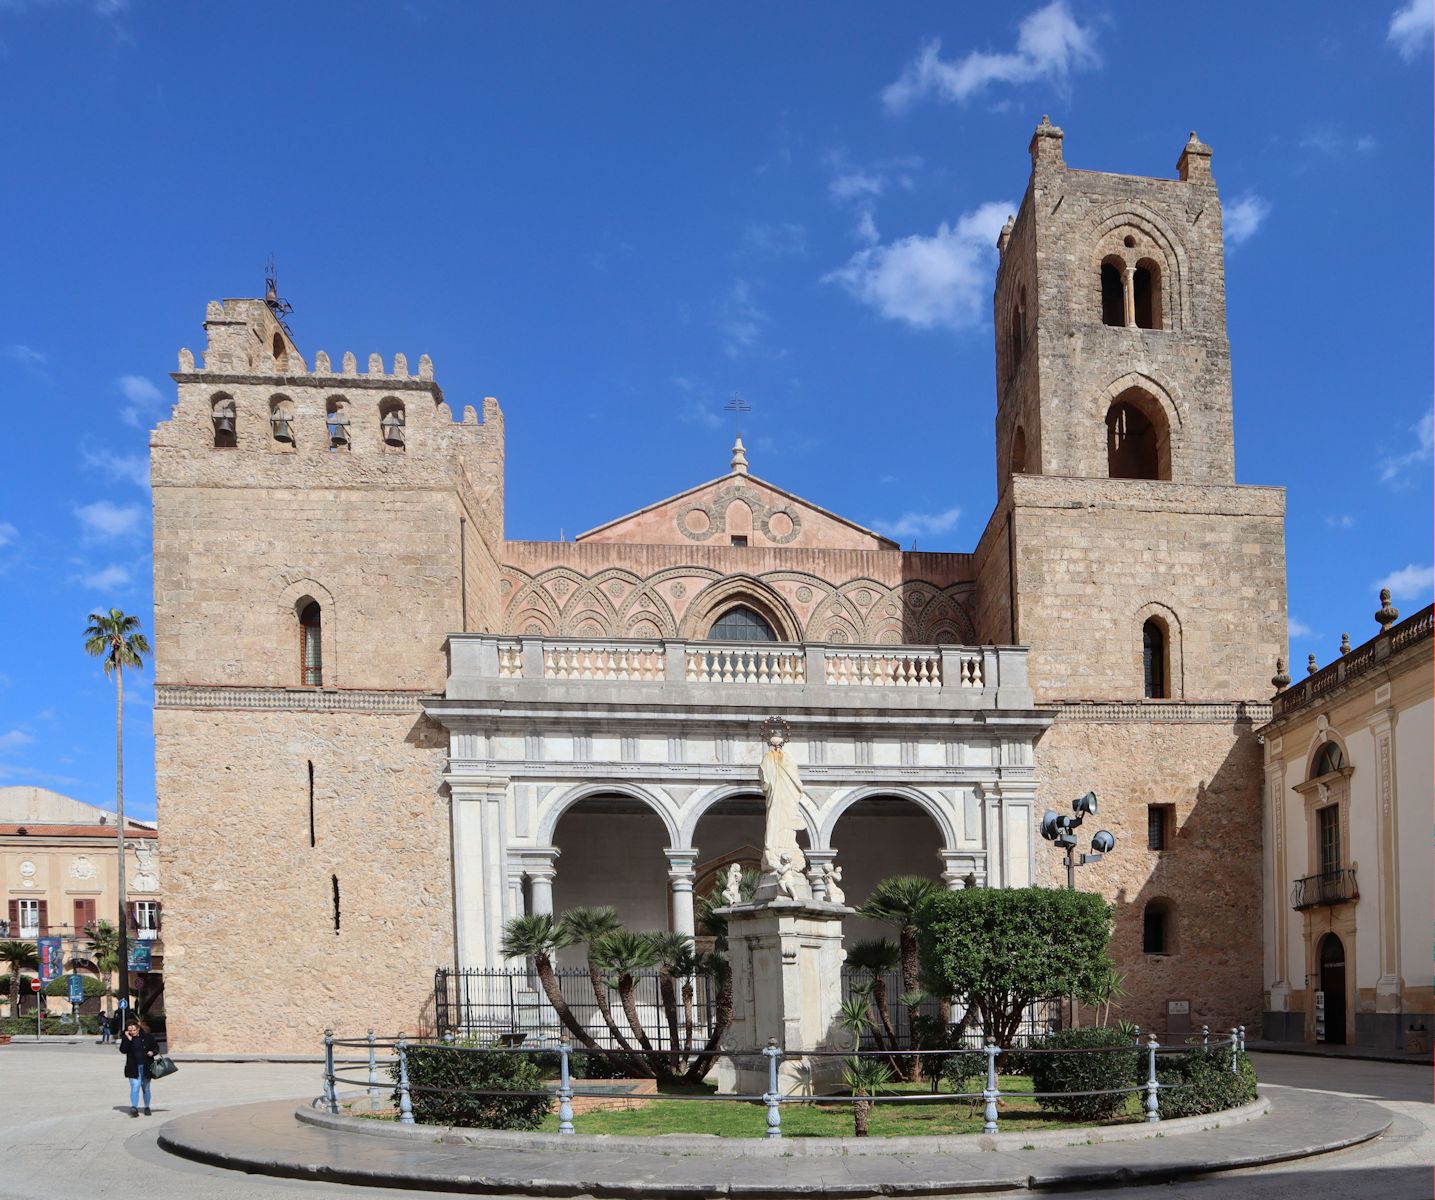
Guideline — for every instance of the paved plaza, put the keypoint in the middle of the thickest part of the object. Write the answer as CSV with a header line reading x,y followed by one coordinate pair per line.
x,y
65,1123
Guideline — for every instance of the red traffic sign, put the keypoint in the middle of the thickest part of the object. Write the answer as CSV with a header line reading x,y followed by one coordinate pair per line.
x,y
34,985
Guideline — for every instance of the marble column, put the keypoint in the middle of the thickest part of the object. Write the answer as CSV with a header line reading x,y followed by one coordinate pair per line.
x,y
819,862
680,884
539,868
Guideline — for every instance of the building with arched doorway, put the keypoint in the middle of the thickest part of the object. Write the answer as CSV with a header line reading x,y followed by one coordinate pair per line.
x,y
383,728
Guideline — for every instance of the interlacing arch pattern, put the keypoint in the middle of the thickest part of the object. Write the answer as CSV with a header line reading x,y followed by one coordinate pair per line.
x,y
672,603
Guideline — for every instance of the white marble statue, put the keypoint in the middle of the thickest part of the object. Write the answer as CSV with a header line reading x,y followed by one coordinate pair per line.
x,y
732,890
783,863
835,894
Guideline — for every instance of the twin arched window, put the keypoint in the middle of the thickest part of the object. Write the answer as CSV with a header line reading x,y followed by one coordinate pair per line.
x,y
1131,297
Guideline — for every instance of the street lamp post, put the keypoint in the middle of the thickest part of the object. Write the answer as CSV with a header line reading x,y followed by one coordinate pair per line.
x,y
1061,831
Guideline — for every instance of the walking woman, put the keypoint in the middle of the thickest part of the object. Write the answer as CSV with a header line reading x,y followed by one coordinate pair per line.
x,y
139,1049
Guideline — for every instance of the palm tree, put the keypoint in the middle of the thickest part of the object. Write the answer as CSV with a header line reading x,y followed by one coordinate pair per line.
x,y
864,1076
539,937
103,944
115,639
897,899
673,953
18,955
877,957
622,955
588,927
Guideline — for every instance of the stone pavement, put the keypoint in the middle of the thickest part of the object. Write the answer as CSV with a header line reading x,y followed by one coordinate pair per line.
x,y
267,1139
64,1131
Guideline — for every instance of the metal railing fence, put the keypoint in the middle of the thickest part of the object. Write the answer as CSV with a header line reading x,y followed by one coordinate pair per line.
x,y
392,1055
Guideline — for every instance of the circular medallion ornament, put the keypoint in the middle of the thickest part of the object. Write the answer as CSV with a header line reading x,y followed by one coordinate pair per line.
x,y
27,868
561,587
891,610
863,596
678,590
804,595
615,588
506,586
82,868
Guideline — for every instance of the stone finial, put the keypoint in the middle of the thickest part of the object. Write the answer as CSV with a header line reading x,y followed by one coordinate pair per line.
x,y
351,364
214,311
1345,643
1388,614
376,364
1005,235
470,415
186,360
1280,680
321,362
1194,165
739,458
1310,667
1046,144
401,365
425,367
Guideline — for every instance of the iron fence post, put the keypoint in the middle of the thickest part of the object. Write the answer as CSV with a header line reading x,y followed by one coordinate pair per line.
x,y
1205,1035
1242,1028
565,1089
406,1108
772,1052
373,1072
990,1093
331,1101
1153,1109
1233,1052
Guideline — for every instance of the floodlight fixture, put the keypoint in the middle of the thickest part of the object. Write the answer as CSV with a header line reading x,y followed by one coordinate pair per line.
x,y
1086,805
1104,842
1049,821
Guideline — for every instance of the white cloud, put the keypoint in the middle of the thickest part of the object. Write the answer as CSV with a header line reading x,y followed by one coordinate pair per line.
x,y
774,239
128,468
108,578
144,402
1297,628
854,185
1244,217
942,280
8,533
13,740
105,519
741,319
1340,521
1409,583
1411,27
1332,140
1394,467
1050,45
24,355
859,188
913,524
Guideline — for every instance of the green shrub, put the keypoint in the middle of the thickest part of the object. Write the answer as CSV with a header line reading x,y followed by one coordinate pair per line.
x,y
596,1066
1201,1081
51,1026
468,1067
960,1072
61,987
1116,1067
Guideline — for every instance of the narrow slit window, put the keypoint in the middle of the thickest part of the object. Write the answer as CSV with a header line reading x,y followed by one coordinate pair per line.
x,y
1155,934
334,880
312,839
1113,293
311,663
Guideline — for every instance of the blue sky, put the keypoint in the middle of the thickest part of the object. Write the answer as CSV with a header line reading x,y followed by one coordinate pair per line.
x,y
614,216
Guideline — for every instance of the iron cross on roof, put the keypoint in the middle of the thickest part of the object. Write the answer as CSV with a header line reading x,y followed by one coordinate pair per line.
x,y
737,406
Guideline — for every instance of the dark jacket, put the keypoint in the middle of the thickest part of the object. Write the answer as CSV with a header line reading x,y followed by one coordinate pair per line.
x,y
139,1049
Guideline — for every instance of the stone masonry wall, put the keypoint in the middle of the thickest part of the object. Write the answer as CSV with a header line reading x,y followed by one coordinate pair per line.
x,y
1096,558
1210,877
252,959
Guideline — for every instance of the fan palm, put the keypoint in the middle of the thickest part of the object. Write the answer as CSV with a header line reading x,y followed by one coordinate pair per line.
x,y
103,943
587,927
621,955
673,953
865,1077
18,955
896,900
877,957
115,639
539,937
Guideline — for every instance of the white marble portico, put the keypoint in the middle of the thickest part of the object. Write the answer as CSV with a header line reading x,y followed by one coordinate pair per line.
x,y
671,730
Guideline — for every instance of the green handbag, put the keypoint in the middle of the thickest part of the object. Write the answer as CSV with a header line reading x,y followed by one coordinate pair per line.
x,y
161,1065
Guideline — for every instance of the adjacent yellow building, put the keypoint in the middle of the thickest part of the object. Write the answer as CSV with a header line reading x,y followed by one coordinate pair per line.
x,y
1348,891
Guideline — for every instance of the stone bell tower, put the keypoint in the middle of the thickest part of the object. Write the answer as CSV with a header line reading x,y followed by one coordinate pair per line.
x,y
1102,271
1149,585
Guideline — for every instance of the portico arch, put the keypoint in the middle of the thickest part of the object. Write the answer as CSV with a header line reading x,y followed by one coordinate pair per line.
x,y
554,810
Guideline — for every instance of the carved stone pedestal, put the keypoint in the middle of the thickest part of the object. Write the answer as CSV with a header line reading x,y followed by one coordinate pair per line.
x,y
786,960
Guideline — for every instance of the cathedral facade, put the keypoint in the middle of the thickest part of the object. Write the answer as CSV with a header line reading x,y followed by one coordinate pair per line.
x,y
383,729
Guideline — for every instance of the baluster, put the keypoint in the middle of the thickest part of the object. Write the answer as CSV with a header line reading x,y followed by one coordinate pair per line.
x,y
1153,1113
373,1072
565,1090
331,1099
772,1053
406,1108
990,1093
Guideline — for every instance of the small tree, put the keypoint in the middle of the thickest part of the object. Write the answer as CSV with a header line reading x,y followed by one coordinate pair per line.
x,y
1006,948
621,955
17,955
588,927
864,1077
539,937
103,944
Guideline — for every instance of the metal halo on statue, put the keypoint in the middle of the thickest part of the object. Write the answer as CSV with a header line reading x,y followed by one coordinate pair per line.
x,y
776,725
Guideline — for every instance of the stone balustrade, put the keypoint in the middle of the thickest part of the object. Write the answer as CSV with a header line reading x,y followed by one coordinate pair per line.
x,y
975,673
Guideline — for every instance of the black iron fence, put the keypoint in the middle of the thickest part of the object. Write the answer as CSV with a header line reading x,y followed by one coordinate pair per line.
x,y
1328,887
509,1004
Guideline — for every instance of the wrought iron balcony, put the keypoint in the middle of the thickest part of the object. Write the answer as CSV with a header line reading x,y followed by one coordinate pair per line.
x,y
1326,888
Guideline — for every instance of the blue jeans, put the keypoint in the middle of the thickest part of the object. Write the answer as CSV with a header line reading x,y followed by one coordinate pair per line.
x,y
138,1084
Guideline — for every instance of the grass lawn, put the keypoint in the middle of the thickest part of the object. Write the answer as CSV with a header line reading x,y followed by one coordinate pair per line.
x,y
833,1119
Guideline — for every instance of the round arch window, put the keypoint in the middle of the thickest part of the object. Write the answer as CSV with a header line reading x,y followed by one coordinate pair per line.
x,y
741,624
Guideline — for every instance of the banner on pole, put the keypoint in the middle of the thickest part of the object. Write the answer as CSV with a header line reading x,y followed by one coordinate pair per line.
x,y
141,956
51,959
77,989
